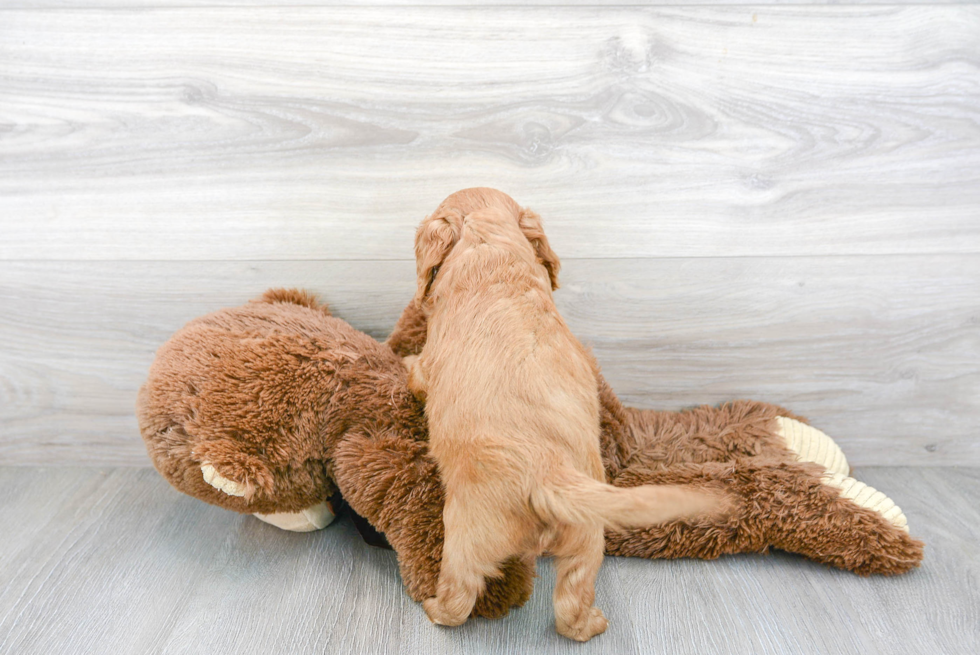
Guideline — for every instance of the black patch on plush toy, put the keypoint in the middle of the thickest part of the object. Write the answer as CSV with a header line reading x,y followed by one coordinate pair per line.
x,y
370,536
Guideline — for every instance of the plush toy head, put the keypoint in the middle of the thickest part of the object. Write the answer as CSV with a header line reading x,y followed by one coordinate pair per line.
x,y
242,406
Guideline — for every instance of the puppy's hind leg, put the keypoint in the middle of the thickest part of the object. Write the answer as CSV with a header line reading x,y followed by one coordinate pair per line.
x,y
578,553
478,539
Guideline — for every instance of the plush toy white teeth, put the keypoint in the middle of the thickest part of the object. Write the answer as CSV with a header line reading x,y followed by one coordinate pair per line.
x,y
312,518
812,445
221,483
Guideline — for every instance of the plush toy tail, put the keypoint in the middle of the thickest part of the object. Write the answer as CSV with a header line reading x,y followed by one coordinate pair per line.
x,y
294,297
573,497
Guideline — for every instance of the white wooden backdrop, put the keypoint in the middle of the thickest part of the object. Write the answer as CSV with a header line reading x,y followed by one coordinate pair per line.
x,y
776,202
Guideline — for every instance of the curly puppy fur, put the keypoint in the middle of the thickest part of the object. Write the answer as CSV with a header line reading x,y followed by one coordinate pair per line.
x,y
512,402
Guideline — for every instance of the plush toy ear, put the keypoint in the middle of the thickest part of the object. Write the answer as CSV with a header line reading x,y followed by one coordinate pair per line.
x,y
293,297
434,239
530,224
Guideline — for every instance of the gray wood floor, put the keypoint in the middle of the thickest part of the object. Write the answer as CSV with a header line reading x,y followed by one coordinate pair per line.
x,y
113,561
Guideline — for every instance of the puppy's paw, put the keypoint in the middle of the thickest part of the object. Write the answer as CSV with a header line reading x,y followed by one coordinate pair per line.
x,y
439,615
586,625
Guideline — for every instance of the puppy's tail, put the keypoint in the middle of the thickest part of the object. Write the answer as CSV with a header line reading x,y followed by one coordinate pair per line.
x,y
573,497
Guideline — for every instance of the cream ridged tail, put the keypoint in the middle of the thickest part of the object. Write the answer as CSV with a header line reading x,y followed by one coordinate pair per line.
x,y
868,497
812,445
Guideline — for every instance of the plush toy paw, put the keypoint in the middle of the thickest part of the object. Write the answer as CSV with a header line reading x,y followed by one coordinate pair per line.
x,y
312,518
812,445
221,483
590,623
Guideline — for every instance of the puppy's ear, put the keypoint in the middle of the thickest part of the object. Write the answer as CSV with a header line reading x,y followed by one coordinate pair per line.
x,y
434,239
530,224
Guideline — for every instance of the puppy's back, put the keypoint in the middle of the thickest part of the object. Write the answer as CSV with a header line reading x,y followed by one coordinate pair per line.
x,y
515,372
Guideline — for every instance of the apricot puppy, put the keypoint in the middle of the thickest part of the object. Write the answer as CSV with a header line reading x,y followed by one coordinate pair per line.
x,y
513,410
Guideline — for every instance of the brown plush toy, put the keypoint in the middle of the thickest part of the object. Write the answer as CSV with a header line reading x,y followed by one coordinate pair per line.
x,y
269,408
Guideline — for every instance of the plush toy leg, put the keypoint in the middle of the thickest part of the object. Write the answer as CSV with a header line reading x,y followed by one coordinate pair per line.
x,y
781,505
848,524
742,428
312,518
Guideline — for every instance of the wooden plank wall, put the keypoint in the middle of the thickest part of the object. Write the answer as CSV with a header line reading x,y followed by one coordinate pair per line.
x,y
774,202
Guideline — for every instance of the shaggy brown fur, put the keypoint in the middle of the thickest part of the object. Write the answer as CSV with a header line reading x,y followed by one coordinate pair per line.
x,y
290,401
513,413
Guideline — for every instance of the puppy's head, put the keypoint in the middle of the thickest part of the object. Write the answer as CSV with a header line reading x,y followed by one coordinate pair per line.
x,y
440,232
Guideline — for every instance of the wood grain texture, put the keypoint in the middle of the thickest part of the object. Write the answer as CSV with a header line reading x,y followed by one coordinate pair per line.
x,y
327,133
113,560
883,353
151,4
